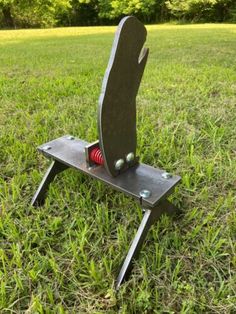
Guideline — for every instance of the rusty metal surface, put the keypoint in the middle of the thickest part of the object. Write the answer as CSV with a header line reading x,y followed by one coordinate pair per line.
x,y
117,102
131,182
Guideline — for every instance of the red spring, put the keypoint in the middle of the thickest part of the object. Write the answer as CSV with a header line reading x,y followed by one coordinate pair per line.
x,y
96,156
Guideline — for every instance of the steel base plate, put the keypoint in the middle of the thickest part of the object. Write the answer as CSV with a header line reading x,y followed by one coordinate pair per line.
x,y
71,152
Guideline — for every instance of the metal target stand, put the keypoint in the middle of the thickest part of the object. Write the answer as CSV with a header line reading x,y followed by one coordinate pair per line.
x,y
112,159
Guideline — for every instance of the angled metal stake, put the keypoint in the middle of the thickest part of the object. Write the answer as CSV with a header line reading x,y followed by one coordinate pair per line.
x,y
149,218
41,193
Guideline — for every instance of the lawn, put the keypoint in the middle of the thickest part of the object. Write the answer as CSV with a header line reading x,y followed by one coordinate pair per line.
x,y
65,256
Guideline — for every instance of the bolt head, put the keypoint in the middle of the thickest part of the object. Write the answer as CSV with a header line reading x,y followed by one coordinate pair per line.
x,y
47,147
119,164
130,157
71,138
166,175
145,193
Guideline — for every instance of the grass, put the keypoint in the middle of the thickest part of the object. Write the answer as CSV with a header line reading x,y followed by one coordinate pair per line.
x,y
64,256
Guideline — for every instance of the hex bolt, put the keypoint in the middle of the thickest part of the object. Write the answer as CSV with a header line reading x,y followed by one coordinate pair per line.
x,y
130,157
145,193
119,164
166,175
46,147
71,138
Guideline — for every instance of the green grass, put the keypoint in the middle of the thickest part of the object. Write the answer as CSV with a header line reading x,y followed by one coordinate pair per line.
x,y
64,256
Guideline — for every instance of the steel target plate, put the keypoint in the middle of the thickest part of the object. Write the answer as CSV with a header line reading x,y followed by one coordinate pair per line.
x,y
117,102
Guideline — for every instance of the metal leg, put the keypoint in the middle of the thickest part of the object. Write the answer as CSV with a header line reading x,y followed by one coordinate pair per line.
x,y
150,216
40,195
168,208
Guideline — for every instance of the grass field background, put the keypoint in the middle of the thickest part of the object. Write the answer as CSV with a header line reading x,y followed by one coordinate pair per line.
x,y
64,256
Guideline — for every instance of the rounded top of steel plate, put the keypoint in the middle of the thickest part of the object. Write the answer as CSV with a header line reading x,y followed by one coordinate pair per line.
x,y
166,175
145,193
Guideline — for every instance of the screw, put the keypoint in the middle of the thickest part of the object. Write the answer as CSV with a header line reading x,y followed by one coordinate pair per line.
x,y
47,147
119,164
166,175
71,138
145,193
130,157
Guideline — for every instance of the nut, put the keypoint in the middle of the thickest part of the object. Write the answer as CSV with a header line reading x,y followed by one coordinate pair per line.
x,y
145,193
166,175
130,157
46,147
119,164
